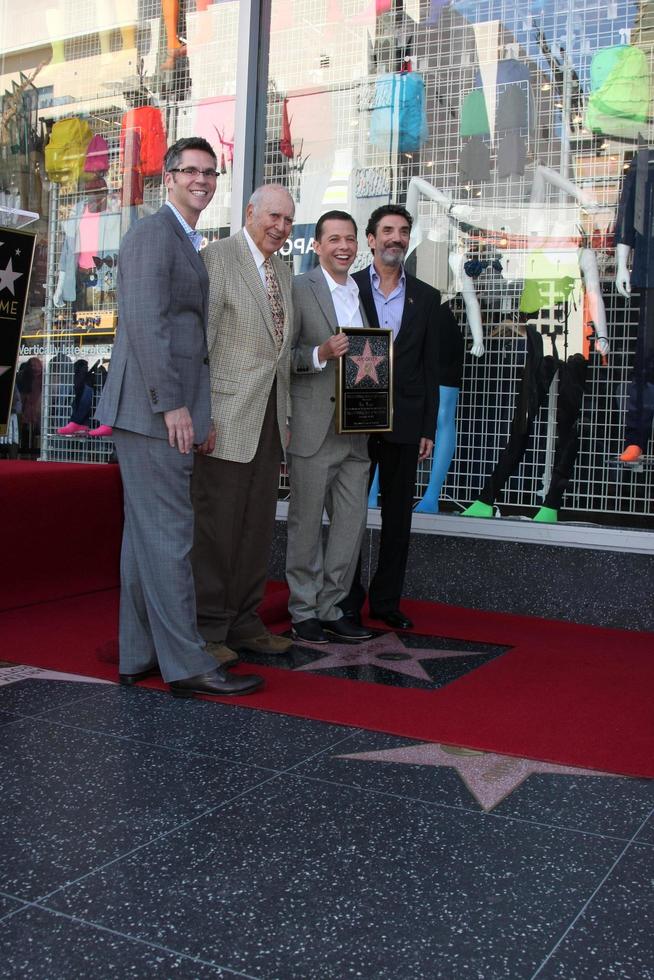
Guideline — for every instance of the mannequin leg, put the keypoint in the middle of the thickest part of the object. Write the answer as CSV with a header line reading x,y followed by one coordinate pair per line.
x,y
532,394
170,11
443,449
640,408
373,496
568,409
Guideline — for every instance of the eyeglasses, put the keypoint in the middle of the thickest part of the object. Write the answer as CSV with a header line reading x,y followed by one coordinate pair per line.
x,y
194,172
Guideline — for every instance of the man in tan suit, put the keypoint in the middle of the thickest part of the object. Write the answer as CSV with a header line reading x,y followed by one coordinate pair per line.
x,y
235,487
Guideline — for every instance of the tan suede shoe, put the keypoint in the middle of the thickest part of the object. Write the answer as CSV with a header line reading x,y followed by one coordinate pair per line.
x,y
266,643
221,653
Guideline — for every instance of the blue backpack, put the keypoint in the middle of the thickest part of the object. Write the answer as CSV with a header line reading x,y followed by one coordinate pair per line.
x,y
398,111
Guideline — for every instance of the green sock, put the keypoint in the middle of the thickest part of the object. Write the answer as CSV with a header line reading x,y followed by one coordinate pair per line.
x,y
478,509
546,515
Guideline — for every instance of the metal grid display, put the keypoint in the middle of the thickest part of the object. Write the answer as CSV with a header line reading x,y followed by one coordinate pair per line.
x,y
176,56
344,54
332,73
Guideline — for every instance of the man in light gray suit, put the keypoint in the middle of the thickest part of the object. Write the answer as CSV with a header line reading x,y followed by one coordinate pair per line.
x,y
157,400
235,485
326,468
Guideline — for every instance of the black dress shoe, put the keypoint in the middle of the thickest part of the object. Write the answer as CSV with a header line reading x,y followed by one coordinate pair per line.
x,y
350,612
346,630
216,682
127,680
308,630
396,620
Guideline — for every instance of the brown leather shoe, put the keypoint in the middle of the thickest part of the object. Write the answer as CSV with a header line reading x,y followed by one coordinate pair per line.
x,y
266,643
217,682
222,653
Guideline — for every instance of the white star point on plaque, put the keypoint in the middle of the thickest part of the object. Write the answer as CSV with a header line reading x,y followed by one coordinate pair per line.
x,y
8,277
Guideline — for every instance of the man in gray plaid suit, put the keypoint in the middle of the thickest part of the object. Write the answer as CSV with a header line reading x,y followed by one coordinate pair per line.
x,y
157,400
235,485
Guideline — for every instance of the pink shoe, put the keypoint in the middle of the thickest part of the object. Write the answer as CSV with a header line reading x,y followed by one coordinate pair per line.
x,y
102,432
73,429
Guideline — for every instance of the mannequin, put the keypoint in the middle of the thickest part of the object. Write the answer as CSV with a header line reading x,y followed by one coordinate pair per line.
x,y
635,242
90,232
80,413
539,245
451,372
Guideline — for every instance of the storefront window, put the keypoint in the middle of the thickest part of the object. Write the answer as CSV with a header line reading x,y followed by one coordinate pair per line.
x,y
507,129
92,95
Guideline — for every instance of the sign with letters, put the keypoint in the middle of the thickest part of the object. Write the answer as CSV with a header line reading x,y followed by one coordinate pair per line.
x,y
364,382
16,254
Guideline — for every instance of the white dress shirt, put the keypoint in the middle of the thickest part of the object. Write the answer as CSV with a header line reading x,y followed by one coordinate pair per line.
x,y
346,306
258,256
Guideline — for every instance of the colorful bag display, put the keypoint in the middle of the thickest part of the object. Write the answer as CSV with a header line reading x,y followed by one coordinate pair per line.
x,y
65,152
398,112
146,121
97,156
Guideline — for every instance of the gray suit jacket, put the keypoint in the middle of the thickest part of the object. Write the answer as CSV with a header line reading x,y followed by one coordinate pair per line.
x,y
312,390
244,357
160,359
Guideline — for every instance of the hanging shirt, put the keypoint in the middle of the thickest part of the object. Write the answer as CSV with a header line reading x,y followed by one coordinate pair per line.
x,y
89,237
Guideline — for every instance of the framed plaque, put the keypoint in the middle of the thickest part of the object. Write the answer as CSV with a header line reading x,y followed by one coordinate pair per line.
x,y
364,382
16,253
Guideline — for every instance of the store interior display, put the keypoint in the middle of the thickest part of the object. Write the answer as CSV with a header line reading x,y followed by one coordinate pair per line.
x,y
634,235
514,134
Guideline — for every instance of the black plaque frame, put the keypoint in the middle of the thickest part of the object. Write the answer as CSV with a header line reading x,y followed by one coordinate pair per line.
x,y
16,256
365,405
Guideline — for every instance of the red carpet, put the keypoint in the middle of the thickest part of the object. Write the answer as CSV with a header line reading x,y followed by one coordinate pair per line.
x,y
61,530
568,694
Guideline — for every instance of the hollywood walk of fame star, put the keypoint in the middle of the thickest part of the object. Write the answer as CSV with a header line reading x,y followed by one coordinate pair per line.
x,y
8,277
378,653
367,364
12,675
489,777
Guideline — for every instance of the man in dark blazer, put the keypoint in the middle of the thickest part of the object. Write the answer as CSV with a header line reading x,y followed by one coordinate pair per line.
x,y
394,299
157,400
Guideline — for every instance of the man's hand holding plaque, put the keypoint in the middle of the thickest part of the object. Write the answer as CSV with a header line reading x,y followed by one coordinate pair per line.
x,y
333,348
364,382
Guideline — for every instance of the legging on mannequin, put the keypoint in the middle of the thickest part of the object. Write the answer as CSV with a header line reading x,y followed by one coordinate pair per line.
x,y
444,447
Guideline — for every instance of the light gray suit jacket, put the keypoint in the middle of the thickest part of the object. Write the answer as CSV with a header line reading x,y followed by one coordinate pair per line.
x,y
313,400
160,358
244,357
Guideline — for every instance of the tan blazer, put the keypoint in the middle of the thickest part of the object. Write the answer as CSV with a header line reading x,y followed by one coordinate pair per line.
x,y
244,361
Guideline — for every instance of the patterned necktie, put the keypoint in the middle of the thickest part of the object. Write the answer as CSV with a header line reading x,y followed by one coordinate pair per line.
x,y
275,300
